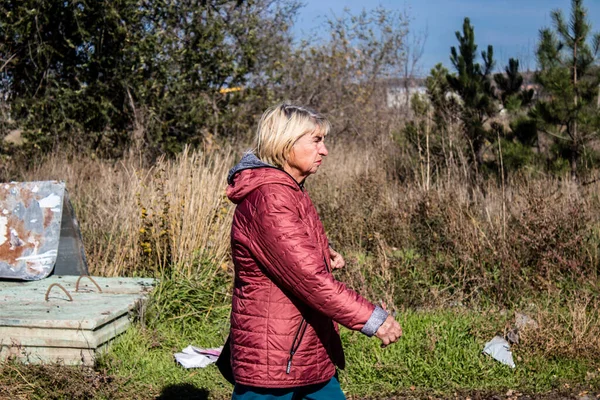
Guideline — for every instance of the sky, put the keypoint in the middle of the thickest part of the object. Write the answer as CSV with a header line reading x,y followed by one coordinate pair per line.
x,y
511,26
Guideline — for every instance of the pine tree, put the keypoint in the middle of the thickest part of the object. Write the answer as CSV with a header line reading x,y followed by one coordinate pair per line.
x,y
568,111
472,83
445,107
509,86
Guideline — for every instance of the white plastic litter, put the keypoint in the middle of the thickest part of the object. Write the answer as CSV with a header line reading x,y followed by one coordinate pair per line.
x,y
195,357
499,349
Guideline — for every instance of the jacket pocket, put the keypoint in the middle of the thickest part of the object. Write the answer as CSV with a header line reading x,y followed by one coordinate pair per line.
x,y
296,343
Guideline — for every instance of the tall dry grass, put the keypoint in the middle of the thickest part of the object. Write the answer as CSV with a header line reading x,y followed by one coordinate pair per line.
x,y
533,235
531,245
449,243
136,220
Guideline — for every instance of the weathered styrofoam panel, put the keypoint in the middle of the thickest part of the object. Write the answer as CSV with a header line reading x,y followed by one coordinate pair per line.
x,y
30,221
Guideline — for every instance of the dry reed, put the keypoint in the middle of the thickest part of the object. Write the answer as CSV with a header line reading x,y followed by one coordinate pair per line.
x,y
137,220
450,245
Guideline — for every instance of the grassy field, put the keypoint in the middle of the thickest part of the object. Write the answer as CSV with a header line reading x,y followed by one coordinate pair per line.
x,y
440,352
455,261
439,356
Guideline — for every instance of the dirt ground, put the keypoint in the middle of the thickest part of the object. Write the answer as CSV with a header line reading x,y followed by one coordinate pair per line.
x,y
56,382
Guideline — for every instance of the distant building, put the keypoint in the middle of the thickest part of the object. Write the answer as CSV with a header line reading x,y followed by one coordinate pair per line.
x,y
398,97
399,91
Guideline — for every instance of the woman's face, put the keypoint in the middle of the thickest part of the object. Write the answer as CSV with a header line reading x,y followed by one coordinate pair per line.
x,y
306,155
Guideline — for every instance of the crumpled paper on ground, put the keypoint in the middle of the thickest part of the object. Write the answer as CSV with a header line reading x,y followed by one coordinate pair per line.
x,y
195,357
499,349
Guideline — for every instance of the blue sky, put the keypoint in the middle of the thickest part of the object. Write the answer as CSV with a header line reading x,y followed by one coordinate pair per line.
x,y
511,26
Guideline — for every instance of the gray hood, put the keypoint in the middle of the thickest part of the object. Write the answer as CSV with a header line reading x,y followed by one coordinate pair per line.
x,y
248,161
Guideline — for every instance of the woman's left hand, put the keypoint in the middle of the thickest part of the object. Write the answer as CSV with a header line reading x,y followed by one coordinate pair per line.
x,y
337,261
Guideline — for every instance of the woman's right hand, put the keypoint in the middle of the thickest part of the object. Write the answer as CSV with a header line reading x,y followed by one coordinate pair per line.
x,y
389,332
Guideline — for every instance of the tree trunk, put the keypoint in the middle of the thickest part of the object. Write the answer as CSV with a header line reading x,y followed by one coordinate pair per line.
x,y
575,136
479,154
574,161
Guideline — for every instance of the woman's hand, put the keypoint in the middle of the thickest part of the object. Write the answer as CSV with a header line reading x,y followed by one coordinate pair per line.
x,y
337,261
389,332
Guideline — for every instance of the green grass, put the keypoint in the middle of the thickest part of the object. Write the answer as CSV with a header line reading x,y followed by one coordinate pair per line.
x,y
181,312
145,359
440,352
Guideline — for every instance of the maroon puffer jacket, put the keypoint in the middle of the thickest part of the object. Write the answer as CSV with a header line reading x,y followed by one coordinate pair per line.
x,y
284,296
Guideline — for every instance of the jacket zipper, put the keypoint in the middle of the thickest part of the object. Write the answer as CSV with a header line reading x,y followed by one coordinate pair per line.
x,y
295,346
298,337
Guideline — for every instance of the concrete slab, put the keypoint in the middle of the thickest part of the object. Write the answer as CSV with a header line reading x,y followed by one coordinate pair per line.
x,y
33,329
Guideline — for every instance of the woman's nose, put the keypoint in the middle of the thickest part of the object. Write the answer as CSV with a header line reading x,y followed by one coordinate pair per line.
x,y
323,150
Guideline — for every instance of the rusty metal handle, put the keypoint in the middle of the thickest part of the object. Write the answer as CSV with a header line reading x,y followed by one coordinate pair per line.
x,y
60,286
90,278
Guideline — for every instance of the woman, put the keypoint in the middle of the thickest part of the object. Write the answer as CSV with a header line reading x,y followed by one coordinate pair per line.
x,y
286,302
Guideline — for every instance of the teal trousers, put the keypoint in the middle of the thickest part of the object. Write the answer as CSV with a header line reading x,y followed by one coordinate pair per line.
x,y
329,390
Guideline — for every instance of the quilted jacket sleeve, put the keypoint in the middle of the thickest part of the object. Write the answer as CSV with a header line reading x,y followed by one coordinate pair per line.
x,y
291,254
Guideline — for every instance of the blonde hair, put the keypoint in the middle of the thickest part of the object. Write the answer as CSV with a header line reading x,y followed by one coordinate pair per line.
x,y
281,126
